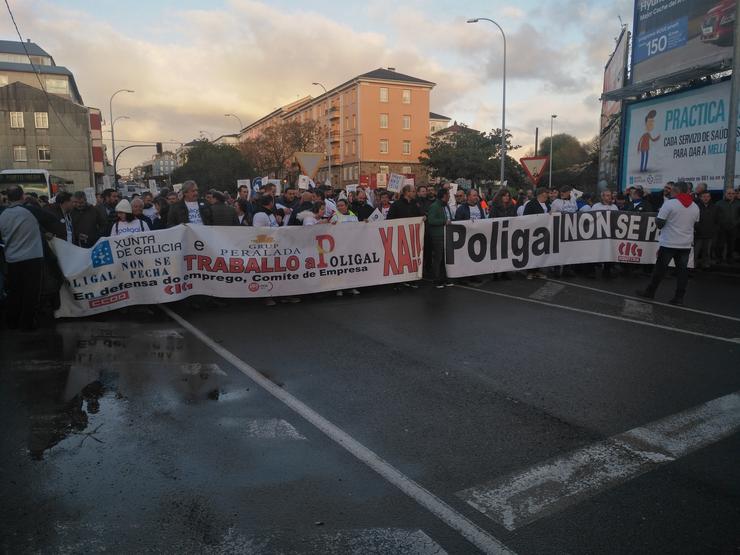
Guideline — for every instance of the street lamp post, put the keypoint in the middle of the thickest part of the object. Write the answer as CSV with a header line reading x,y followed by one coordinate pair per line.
x,y
328,132
503,102
112,135
237,119
552,120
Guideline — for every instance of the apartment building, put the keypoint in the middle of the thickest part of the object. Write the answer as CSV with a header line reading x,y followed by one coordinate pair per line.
x,y
379,122
50,130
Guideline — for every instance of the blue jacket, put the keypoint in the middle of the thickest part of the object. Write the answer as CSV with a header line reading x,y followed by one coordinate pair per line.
x,y
463,212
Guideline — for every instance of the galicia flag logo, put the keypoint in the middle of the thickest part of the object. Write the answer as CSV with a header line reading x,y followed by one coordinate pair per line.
x,y
101,255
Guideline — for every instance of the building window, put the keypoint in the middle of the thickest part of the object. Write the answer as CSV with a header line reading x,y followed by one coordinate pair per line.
x,y
405,170
406,96
20,154
346,147
384,169
3,80
57,86
384,121
41,119
406,121
346,123
44,154
16,120
384,146
354,147
354,121
384,94
407,147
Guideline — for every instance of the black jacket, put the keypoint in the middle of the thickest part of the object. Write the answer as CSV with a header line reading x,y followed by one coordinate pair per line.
x,y
362,210
501,211
179,214
533,207
60,226
403,209
223,214
643,206
709,220
463,212
293,220
88,225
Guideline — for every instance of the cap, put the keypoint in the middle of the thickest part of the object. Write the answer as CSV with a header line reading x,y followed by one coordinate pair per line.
x,y
124,206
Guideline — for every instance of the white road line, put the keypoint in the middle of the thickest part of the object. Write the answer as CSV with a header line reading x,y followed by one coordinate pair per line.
x,y
455,520
262,428
640,299
353,542
599,314
547,291
638,310
523,497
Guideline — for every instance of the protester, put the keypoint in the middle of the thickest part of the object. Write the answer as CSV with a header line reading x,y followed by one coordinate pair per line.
x,y
706,229
360,206
552,195
162,209
405,207
222,213
24,256
586,202
538,205
471,209
172,197
313,216
265,215
457,200
423,199
343,213
148,210
438,216
108,207
676,220
607,202
564,203
127,223
620,200
637,201
189,210
62,212
243,193
242,212
385,203
137,208
729,223
87,222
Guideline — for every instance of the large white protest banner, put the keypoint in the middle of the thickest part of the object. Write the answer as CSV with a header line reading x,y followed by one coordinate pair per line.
x,y
542,240
171,264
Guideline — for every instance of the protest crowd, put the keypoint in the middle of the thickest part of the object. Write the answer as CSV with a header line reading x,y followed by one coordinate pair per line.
x,y
30,271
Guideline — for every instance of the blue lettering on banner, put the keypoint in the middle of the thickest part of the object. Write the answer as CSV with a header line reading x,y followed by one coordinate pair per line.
x,y
660,40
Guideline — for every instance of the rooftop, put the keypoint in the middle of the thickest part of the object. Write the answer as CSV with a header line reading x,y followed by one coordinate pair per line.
x,y
16,47
384,74
432,115
47,70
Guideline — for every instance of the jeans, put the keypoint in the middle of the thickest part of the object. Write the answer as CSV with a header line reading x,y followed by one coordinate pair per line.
x,y
439,273
24,293
681,258
644,155
703,252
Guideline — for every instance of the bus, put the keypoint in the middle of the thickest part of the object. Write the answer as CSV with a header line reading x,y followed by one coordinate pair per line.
x,y
39,181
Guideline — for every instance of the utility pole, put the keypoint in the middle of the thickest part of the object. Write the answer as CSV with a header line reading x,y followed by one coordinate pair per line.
x,y
731,153
112,135
536,140
552,120
328,128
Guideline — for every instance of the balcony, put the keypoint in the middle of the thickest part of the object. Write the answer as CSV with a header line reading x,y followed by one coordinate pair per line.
x,y
334,112
335,135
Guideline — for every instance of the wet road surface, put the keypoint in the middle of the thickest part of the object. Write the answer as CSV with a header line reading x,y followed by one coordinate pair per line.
x,y
541,416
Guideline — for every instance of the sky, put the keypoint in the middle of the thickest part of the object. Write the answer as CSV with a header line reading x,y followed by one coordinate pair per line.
x,y
192,62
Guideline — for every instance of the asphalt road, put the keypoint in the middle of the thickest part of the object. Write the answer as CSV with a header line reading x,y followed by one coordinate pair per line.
x,y
540,416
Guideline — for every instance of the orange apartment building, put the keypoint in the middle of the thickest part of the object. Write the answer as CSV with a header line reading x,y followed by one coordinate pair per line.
x,y
379,124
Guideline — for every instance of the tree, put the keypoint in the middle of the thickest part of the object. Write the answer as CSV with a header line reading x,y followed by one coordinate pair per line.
x,y
566,150
470,154
276,145
214,166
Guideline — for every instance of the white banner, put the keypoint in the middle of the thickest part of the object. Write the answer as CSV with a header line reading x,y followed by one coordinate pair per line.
x,y
171,264
542,240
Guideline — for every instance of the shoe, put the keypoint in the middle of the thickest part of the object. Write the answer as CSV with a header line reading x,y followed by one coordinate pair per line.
x,y
270,302
340,293
645,294
355,292
449,284
294,300
530,276
440,286
676,301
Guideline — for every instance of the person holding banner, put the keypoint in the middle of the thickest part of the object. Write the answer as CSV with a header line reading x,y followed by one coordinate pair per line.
x,y
265,217
676,220
405,207
360,206
471,209
87,222
438,216
343,214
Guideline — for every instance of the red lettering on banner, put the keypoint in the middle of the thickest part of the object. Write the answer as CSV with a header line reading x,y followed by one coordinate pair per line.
x,y
236,265
219,265
389,259
204,263
320,240
252,266
404,253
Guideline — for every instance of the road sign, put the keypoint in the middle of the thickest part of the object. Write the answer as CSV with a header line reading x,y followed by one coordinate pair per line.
x,y
534,167
309,162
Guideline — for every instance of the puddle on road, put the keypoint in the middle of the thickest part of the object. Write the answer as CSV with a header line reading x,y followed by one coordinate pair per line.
x,y
143,370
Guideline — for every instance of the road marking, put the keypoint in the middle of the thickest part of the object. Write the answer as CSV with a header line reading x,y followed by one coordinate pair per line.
x,y
263,428
354,542
547,291
642,300
455,520
639,310
593,313
523,497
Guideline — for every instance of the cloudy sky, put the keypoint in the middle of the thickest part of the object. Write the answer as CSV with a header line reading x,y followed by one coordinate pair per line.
x,y
191,62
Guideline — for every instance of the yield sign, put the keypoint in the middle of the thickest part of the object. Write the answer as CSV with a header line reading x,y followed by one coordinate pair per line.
x,y
535,167
309,162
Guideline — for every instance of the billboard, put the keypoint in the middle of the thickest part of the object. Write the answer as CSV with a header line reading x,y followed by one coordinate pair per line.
x,y
614,76
680,136
673,35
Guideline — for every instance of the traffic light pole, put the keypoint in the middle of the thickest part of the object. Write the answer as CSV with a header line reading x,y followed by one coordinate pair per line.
x,y
115,160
